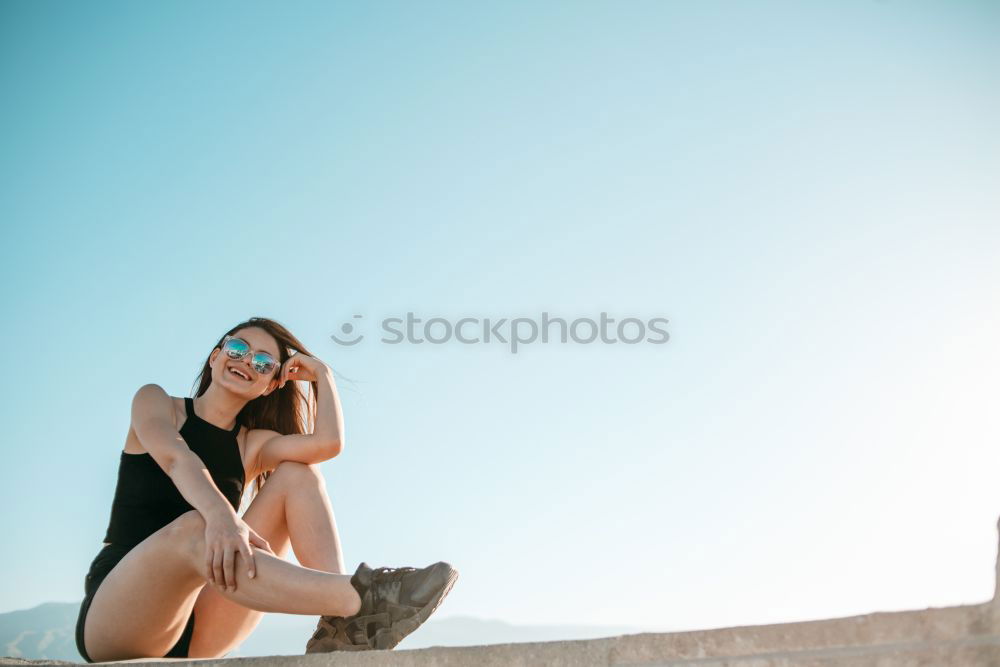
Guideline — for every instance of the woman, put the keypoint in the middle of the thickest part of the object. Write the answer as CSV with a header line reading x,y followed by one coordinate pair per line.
x,y
174,525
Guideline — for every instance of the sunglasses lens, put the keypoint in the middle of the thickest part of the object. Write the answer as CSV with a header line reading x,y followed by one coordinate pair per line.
x,y
264,363
236,348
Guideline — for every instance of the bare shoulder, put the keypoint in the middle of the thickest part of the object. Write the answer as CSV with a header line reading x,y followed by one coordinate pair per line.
x,y
179,412
153,397
132,443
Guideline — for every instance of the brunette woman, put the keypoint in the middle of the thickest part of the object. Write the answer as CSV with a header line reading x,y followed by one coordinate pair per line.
x,y
181,574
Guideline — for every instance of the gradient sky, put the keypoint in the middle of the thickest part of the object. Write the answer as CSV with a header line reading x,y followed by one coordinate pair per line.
x,y
808,192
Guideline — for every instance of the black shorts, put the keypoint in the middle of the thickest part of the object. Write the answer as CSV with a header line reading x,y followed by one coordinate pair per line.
x,y
106,559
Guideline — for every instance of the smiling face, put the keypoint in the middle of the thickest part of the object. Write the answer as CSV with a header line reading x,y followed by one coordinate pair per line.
x,y
239,375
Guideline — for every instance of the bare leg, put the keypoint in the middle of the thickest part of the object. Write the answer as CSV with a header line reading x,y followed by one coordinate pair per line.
x,y
293,495
283,587
279,586
311,525
141,606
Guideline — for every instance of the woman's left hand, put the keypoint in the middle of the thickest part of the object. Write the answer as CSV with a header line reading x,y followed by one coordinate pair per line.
x,y
301,367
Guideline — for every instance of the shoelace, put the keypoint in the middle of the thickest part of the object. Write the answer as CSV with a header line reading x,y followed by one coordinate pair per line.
x,y
385,580
391,573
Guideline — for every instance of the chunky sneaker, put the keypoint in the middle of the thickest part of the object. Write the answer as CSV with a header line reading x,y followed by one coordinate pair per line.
x,y
394,602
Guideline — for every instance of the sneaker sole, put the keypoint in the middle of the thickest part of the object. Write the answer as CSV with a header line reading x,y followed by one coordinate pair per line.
x,y
388,638
328,645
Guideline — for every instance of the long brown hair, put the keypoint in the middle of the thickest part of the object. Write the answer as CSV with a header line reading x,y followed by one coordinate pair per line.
x,y
285,410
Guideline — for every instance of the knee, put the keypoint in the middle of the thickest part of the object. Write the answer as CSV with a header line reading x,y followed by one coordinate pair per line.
x,y
188,528
297,473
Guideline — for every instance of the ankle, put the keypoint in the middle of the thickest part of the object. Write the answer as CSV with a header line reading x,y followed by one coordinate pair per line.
x,y
353,601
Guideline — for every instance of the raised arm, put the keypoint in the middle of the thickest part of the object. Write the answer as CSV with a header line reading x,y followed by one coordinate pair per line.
x,y
267,448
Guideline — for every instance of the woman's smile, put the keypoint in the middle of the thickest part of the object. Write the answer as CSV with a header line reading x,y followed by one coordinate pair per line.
x,y
239,373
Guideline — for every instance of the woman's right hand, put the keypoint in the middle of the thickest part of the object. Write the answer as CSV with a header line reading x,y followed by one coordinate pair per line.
x,y
226,536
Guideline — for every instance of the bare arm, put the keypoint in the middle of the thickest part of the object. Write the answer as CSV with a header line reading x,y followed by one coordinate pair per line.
x,y
329,415
269,448
153,422
226,534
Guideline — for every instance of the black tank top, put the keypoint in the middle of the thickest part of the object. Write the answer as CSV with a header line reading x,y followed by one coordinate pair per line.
x,y
146,499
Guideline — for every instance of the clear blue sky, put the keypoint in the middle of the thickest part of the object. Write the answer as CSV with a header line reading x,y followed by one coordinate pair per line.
x,y
808,192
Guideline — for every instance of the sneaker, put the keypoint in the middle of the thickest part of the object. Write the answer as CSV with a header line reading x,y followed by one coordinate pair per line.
x,y
394,603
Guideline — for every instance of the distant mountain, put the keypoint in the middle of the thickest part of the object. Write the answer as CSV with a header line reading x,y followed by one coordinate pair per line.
x,y
47,632
43,632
